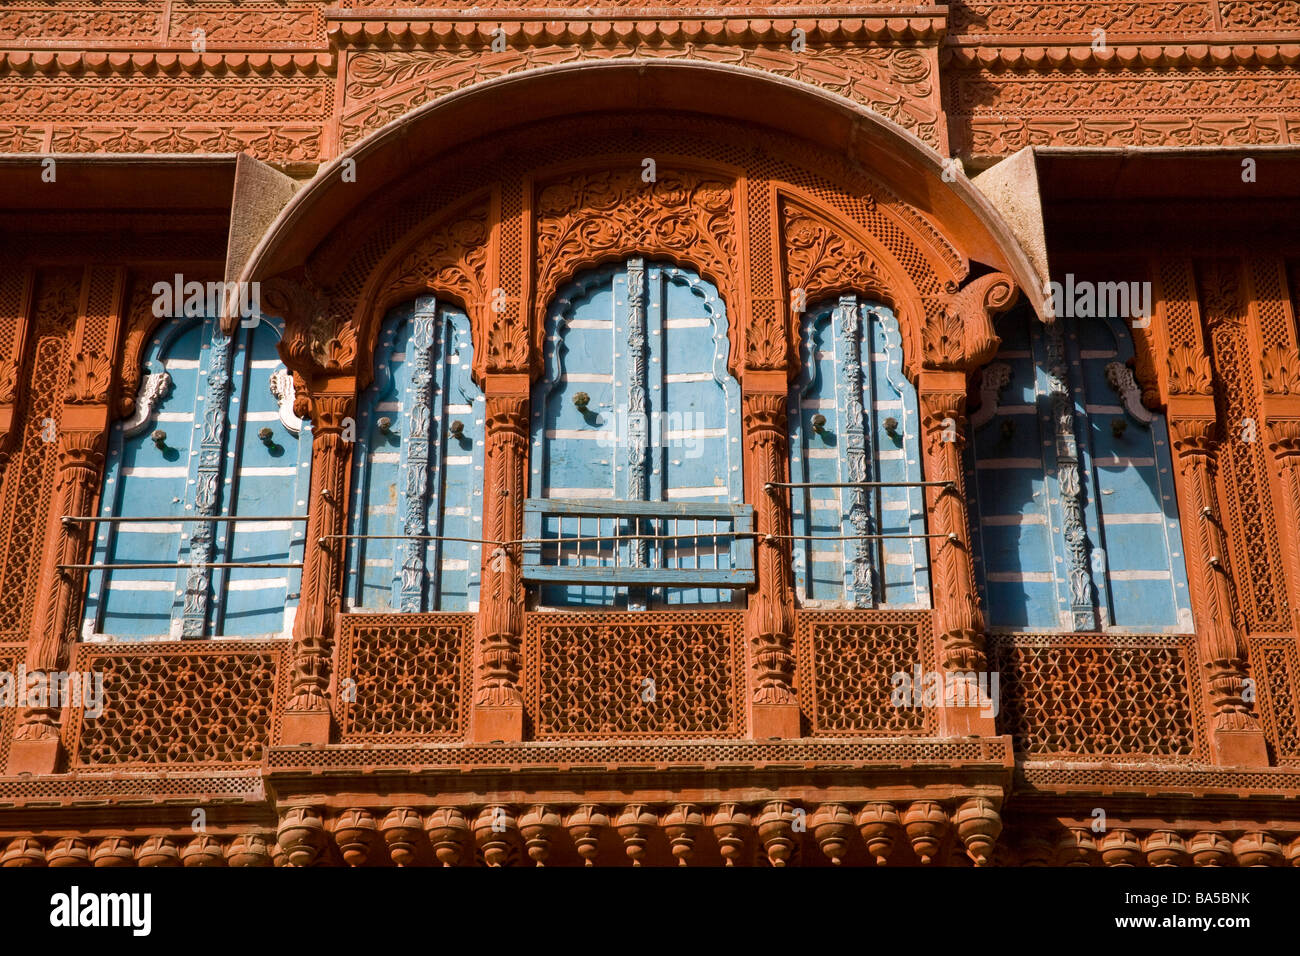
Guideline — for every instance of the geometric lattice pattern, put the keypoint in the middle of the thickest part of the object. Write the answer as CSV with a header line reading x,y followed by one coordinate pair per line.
x,y
177,703
634,675
847,663
1100,695
1275,665
10,657
402,677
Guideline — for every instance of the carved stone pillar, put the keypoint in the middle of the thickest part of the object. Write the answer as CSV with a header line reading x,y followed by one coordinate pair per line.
x,y
36,747
958,617
770,620
498,701
1236,738
332,401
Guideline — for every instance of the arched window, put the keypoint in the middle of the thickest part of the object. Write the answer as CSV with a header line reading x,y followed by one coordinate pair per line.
x,y
213,435
1077,518
417,480
635,446
853,418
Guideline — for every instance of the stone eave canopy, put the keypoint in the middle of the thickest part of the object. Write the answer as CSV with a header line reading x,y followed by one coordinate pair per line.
x,y
890,154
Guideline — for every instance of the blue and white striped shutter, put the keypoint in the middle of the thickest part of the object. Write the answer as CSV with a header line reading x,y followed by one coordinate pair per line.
x,y
851,361
143,480
455,508
897,457
1013,433
417,479
648,345
574,450
1073,534
270,480
1138,567
695,428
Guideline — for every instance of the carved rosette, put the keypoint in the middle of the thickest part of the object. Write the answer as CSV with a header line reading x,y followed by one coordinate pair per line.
x,y
771,615
1222,648
958,617
322,573
501,616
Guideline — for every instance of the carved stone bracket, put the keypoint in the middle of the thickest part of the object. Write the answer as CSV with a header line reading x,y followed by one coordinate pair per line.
x,y
958,332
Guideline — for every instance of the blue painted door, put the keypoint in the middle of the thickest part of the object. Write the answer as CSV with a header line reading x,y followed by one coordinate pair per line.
x,y
853,417
418,468
636,404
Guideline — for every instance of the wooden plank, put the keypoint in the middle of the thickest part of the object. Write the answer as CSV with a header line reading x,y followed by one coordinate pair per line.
x,y
650,509
668,577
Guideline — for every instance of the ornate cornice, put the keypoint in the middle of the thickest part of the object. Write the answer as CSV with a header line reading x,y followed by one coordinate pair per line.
x,y
593,26
102,63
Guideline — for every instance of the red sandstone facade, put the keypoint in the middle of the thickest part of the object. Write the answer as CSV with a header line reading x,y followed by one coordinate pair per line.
x,y
351,156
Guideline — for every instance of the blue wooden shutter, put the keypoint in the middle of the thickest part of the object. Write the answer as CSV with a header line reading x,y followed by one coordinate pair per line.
x,y
647,346
419,480
1073,533
142,480
1137,567
270,479
851,374
208,393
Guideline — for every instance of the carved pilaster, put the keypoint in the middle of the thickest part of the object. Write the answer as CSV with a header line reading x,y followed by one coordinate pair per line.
x,y
54,624
958,617
332,404
770,621
1236,736
498,710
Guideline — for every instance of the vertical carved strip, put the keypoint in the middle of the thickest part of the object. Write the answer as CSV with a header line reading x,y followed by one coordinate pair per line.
x,y
638,422
959,621
415,480
848,317
771,617
1284,443
1083,607
1222,649
207,497
80,466
500,612
332,405
15,306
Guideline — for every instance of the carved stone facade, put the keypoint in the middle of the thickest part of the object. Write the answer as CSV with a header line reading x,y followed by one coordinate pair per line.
x,y
789,156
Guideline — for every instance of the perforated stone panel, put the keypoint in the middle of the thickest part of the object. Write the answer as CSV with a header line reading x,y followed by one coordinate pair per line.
x,y
408,674
589,675
1098,694
847,660
208,703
